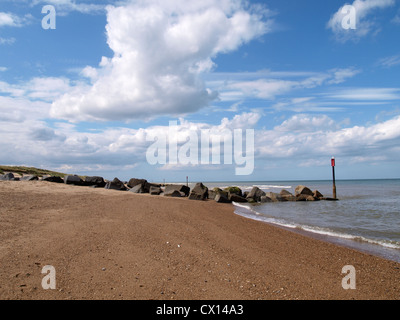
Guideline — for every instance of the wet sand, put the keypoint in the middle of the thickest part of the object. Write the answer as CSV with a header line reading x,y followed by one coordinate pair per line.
x,y
108,244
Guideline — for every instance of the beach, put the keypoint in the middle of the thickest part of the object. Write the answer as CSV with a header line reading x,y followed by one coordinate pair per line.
x,y
106,244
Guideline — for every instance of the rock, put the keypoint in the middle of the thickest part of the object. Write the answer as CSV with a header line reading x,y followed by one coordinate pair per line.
x,y
256,194
74,180
177,194
169,189
305,197
287,195
30,178
116,184
302,190
265,199
211,194
275,197
221,198
317,194
145,186
235,190
54,179
155,190
138,189
236,198
199,192
7,177
97,182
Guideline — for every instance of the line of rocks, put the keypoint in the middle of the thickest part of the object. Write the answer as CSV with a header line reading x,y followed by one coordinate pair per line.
x,y
199,192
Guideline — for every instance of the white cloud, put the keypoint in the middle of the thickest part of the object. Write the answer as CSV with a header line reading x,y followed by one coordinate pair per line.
x,y
44,89
367,94
270,88
365,23
12,20
389,62
160,50
8,41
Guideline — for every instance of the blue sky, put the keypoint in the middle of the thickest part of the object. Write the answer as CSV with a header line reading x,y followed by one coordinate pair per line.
x,y
84,97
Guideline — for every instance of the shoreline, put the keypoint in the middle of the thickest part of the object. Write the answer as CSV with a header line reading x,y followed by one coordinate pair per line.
x,y
109,244
363,246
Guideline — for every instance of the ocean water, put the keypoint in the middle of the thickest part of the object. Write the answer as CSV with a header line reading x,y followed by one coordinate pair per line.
x,y
366,217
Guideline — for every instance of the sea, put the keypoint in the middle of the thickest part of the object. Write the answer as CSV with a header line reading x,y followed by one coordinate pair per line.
x,y
366,217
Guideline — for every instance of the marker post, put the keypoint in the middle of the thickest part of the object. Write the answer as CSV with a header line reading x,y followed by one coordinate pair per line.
x,y
333,163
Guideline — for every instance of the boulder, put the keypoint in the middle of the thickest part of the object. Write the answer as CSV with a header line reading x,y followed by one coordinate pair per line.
x,y
211,194
275,197
145,185
30,178
7,177
74,180
255,194
199,192
287,195
97,182
155,190
236,198
221,198
54,179
317,194
177,194
137,189
116,184
169,189
302,190
265,199
234,190
305,197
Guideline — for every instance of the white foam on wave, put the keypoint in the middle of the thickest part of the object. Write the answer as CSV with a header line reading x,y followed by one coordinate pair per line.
x,y
251,213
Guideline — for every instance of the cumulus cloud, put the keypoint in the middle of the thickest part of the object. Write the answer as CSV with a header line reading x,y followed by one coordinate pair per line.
x,y
365,23
161,49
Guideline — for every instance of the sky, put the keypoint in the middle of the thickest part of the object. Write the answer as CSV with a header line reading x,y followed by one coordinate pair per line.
x,y
114,88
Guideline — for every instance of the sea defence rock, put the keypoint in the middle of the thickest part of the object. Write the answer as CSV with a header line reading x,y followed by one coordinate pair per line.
x,y
116,184
255,195
302,190
97,182
169,189
287,195
155,191
234,190
236,198
221,197
7,177
199,192
138,189
54,179
318,195
30,178
275,197
74,180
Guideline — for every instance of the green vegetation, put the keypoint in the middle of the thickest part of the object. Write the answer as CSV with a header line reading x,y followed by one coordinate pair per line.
x,y
30,171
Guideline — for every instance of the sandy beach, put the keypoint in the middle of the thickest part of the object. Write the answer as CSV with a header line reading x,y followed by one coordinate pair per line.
x,y
108,244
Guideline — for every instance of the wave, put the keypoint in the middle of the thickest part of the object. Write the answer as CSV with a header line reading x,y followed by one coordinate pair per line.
x,y
251,213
